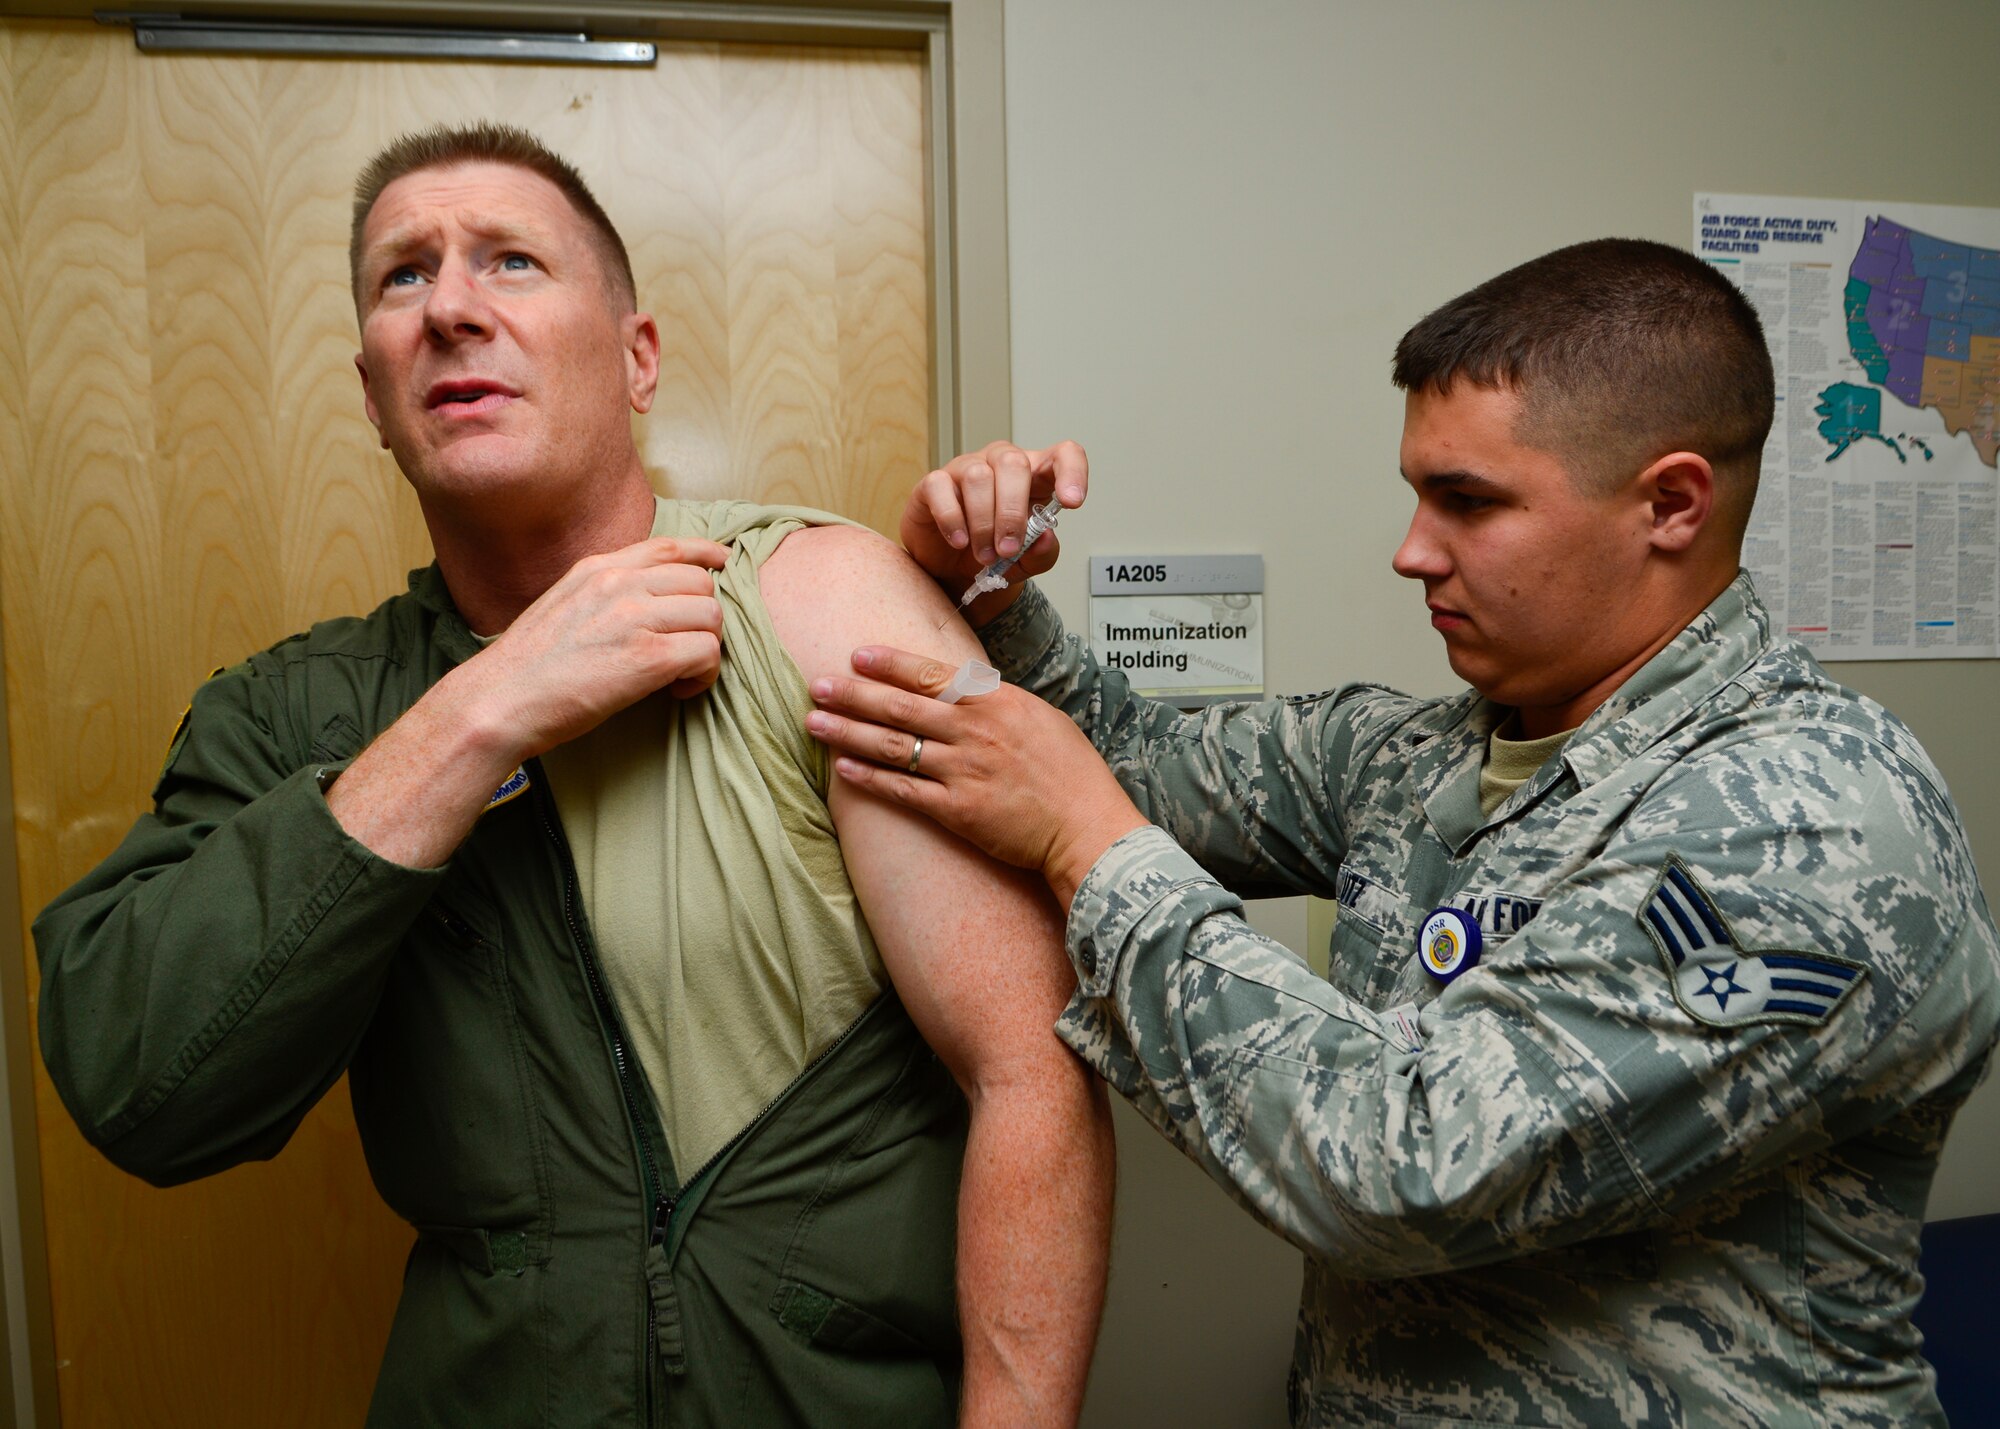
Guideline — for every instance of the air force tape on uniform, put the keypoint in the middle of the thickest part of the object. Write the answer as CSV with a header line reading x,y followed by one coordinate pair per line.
x,y
1719,981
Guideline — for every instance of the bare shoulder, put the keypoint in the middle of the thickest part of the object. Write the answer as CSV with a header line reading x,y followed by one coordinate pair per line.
x,y
853,561
831,588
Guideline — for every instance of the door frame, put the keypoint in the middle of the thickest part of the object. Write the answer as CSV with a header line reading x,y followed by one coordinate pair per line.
x,y
971,404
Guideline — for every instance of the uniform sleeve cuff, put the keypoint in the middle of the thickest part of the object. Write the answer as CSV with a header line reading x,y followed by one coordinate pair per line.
x,y
1132,877
1023,633
311,785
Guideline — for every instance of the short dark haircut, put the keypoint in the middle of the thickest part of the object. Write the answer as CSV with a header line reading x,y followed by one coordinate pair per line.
x,y
446,147
1621,350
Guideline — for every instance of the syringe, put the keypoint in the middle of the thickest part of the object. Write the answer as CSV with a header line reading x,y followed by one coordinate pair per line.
x,y
1041,519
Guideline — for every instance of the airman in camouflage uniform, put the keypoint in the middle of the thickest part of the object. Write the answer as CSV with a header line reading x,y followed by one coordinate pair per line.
x,y
1661,1155
1577,1185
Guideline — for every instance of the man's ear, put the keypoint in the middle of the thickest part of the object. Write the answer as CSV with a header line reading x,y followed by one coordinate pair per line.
x,y
368,402
1680,489
642,359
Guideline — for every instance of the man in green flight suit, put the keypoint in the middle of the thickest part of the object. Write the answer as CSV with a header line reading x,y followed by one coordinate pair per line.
x,y
652,1029
1660,967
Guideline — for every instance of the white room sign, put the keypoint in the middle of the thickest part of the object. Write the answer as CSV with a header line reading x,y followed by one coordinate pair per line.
x,y
1185,629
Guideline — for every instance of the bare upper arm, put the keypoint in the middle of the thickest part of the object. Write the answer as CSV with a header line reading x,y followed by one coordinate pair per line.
x,y
936,905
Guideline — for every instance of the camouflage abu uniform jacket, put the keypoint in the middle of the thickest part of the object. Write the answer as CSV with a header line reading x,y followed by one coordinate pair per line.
x,y
1661,1157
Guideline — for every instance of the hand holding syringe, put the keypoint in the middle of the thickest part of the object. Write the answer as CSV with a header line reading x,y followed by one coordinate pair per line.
x,y
1041,519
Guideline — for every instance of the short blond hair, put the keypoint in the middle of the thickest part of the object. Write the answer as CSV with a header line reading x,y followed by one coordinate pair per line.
x,y
446,146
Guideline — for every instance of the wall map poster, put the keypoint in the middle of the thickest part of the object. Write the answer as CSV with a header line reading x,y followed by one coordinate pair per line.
x,y
1874,536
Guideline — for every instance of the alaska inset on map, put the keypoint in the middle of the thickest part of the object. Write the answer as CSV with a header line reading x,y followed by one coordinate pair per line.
x,y
1923,320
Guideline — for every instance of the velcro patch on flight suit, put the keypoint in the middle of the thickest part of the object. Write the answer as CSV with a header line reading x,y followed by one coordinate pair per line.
x,y
1717,980
178,740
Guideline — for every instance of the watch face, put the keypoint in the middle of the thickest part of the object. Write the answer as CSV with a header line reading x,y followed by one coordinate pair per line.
x,y
1448,943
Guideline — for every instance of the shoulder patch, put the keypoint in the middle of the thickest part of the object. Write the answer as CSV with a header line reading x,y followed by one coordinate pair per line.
x,y
178,740
1717,980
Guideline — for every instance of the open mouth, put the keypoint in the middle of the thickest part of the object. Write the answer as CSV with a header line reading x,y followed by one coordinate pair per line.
x,y
468,398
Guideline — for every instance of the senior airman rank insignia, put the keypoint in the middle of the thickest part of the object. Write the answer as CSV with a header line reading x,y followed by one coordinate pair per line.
x,y
1719,981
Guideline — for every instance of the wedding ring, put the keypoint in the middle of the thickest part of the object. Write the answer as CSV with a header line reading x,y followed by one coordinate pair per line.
x,y
916,753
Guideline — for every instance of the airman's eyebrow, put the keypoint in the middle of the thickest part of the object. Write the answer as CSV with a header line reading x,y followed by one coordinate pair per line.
x,y
388,253
1467,481
398,243
398,240
507,235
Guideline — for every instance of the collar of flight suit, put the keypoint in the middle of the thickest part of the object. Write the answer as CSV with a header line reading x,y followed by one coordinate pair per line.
x,y
454,637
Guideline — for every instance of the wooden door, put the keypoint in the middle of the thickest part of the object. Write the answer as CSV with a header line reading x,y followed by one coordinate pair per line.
x,y
186,475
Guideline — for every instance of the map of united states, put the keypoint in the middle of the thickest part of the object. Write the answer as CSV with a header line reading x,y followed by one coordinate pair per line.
x,y
1923,320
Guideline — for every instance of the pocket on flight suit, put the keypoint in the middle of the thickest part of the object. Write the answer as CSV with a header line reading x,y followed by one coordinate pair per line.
x,y
442,1086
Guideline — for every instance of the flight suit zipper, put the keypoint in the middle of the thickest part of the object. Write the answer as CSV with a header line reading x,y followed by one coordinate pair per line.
x,y
664,1211
652,1184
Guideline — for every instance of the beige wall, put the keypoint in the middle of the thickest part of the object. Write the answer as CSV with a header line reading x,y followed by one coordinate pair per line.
x,y
1222,217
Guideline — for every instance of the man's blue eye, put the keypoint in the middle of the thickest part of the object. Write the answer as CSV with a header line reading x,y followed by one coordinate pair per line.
x,y
517,261
401,278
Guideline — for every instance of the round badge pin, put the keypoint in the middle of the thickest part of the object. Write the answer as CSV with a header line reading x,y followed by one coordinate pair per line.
x,y
1448,943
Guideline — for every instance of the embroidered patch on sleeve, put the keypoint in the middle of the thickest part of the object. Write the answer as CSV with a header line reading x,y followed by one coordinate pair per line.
x,y
515,785
178,741
1719,981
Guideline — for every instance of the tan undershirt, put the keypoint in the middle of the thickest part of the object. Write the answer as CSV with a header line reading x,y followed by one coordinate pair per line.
x,y
730,938
1510,763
